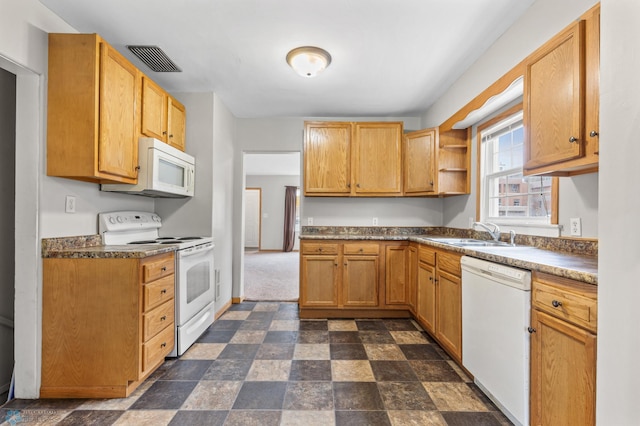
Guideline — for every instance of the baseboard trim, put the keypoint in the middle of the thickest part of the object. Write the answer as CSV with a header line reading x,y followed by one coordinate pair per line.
x,y
223,310
236,300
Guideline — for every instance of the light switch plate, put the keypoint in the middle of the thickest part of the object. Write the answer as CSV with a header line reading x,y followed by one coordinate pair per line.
x,y
309,221
70,204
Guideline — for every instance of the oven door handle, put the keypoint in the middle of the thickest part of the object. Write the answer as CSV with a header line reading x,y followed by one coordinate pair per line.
x,y
195,251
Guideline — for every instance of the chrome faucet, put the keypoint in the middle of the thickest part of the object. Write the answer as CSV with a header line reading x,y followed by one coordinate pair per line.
x,y
495,232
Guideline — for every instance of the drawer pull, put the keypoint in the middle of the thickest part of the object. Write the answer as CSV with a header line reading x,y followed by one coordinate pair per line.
x,y
361,250
163,318
163,291
556,303
164,269
320,249
531,330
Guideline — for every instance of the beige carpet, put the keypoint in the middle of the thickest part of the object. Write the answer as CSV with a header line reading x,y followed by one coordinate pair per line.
x,y
271,276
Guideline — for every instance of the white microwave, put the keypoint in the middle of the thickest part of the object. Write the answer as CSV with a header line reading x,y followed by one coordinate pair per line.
x,y
165,172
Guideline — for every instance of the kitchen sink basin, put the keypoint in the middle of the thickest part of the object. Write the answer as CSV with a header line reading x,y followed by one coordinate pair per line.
x,y
470,242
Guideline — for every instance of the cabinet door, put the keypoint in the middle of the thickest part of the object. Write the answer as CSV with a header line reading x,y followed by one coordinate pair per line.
x,y
449,313
554,100
563,372
360,281
396,283
319,278
118,133
378,158
327,158
412,273
592,72
154,110
426,302
419,162
177,122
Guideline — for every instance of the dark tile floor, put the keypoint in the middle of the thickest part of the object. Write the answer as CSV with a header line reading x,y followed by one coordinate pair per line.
x,y
260,365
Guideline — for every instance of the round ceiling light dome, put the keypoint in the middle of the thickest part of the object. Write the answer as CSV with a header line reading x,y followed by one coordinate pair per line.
x,y
308,61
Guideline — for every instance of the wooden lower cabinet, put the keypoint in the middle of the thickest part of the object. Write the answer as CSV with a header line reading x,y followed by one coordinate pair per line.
x,y
426,305
354,279
439,302
563,352
449,313
107,324
412,276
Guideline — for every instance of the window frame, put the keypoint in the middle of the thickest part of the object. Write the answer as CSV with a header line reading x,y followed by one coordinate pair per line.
x,y
479,187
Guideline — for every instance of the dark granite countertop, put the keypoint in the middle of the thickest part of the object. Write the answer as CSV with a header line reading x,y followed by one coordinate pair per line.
x,y
91,247
565,257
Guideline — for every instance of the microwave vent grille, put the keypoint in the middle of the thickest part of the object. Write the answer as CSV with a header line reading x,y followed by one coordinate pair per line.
x,y
154,58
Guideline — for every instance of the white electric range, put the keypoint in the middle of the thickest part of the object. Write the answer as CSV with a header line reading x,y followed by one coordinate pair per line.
x,y
195,291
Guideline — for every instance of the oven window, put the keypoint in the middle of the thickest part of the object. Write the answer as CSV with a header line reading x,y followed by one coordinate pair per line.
x,y
170,173
198,280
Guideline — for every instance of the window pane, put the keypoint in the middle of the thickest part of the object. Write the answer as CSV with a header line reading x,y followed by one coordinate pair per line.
x,y
506,192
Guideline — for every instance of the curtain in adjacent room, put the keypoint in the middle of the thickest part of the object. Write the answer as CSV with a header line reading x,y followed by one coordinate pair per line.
x,y
289,217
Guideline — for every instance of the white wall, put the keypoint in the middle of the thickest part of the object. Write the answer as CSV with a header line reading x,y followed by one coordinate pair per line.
x,y
618,267
272,225
210,134
545,18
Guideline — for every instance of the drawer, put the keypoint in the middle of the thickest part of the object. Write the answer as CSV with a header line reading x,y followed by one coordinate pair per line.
x,y
449,262
571,305
157,319
157,267
427,255
158,292
362,248
319,248
154,351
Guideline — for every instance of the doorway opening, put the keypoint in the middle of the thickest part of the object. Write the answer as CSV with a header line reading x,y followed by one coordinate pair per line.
x,y
7,234
271,226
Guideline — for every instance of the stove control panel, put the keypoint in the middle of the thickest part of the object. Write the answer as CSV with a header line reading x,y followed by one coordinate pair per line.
x,y
128,221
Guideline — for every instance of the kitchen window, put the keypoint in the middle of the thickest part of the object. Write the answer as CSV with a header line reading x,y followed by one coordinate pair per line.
x,y
507,197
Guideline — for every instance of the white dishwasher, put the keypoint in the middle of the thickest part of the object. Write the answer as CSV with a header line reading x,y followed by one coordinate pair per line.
x,y
496,304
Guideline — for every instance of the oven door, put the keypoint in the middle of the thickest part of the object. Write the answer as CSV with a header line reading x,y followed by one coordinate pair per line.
x,y
194,283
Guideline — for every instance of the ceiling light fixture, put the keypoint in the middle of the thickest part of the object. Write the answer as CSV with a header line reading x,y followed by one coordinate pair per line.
x,y
308,61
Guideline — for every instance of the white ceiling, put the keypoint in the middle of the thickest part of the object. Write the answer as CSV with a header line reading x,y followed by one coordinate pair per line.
x,y
286,164
389,57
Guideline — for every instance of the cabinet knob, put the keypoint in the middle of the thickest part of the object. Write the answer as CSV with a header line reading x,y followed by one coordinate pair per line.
x,y
430,278
431,183
531,330
358,185
163,269
163,318
170,136
556,303
361,250
164,133
163,291
163,345
573,139
593,134
348,185
320,249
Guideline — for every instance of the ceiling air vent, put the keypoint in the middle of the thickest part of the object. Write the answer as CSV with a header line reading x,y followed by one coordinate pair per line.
x,y
154,58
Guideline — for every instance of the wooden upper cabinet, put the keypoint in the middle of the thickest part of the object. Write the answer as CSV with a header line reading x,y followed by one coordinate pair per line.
x,y
378,158
327,158
154,110
561,101
93,111
177,123
419,153
163,117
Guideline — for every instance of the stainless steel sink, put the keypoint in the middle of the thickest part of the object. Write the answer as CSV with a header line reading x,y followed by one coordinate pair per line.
x,y
470,242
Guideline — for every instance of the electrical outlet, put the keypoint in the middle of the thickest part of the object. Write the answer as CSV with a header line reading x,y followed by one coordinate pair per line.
x,y
375,221
309,221
70,204
575,226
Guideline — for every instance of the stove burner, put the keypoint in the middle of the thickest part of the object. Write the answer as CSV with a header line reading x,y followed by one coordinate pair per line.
x,y
165,238
189,238
169,241
143,242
